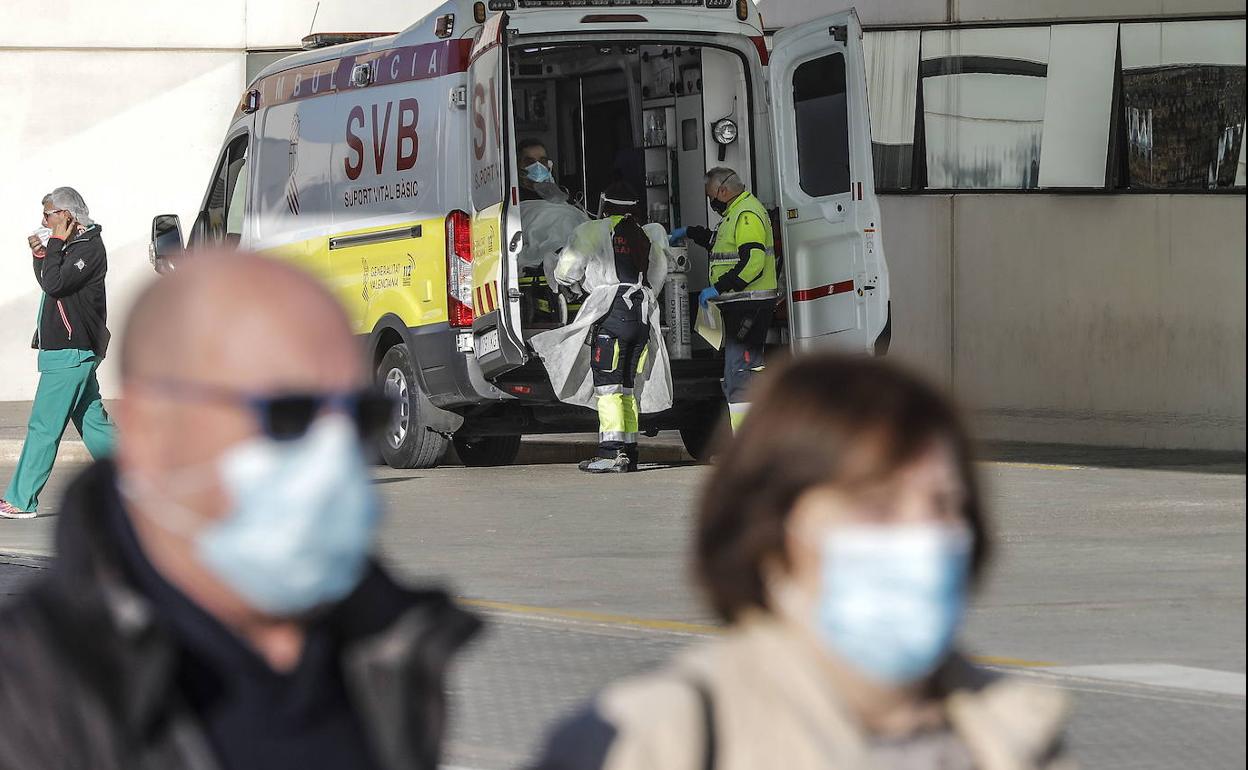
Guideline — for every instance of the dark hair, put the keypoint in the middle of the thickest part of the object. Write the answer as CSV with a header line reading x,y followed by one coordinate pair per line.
x,y
628,237
822,420
528,144
621,191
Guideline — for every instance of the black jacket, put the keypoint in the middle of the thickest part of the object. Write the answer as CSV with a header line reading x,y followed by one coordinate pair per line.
x,y
75,313
88,670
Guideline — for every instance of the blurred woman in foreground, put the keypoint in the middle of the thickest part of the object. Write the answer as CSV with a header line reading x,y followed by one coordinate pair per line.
x,y
839,537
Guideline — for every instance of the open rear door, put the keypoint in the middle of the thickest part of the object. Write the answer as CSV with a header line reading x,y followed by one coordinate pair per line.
x,y
833,258
496,237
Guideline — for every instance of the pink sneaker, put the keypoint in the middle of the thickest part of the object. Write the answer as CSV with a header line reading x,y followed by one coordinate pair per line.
x,y
9,511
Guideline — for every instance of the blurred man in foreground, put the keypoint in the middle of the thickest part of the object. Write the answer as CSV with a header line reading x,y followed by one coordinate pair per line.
x,y
213,604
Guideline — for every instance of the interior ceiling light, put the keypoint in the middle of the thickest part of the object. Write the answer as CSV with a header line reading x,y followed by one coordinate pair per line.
x,y
725,131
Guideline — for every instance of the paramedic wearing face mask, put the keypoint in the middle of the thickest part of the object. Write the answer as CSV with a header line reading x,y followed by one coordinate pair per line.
x,y
839,537
743,286
545,214
214,603
612,358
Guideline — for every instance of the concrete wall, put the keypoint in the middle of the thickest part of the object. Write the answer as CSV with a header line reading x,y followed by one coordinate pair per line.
x,y
127,101
1085,319
784,13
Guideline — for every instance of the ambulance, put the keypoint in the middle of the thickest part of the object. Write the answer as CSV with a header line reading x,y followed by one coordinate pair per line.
x,y
387,167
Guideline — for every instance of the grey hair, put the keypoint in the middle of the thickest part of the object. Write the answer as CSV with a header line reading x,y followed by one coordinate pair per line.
x,y
68,199
725,178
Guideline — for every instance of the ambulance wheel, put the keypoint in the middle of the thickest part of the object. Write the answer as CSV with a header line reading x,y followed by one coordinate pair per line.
x,y
407,443
698,432
484,451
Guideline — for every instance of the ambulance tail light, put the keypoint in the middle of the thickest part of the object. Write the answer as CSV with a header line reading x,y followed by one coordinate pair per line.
x,y
459,269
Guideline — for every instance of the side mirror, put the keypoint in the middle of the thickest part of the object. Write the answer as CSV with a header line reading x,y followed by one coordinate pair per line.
x,y
166,242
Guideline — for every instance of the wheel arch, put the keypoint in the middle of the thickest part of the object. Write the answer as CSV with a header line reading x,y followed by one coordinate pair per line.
x,y
390,331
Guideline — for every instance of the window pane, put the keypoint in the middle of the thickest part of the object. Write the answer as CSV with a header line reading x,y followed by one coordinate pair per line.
x,y
223,207
892,92
983,106
822,126
236,206
1078,105
1183,103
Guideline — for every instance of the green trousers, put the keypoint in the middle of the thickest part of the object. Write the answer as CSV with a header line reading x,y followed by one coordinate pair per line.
x,y
64,394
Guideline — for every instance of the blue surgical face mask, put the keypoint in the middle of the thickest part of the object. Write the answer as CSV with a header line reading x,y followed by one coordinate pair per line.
x,y
537,173
301,521
891,598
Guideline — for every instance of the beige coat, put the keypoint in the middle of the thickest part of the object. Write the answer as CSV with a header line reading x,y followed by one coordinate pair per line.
x,y
772,713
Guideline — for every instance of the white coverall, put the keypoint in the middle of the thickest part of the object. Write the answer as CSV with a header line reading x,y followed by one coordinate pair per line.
x,y
547,227
589,260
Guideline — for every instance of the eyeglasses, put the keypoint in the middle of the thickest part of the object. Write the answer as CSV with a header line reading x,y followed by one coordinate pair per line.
x,y
720,189
47,214
288,416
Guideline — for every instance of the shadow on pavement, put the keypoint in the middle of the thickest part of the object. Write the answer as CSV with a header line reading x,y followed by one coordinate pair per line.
x,y
1186,460
394,479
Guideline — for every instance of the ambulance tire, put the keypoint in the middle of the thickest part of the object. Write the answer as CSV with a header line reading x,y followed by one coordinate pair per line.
x,y
407,443
486,451
698,431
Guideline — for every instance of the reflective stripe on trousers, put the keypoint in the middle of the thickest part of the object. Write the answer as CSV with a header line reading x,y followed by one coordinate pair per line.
x,y
618,421
737,413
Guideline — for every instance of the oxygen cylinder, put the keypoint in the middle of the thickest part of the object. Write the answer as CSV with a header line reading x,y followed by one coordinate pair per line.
x,y
675,313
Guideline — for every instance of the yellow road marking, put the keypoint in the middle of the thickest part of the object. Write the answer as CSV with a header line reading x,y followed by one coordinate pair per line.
x,y
1034,466
652,624
589,616
994,660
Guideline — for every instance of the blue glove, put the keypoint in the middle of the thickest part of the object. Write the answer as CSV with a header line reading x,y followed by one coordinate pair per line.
x,y
708,294
676,235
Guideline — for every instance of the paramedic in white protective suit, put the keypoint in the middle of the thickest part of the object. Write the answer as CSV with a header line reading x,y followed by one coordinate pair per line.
x,y
612,357
545,214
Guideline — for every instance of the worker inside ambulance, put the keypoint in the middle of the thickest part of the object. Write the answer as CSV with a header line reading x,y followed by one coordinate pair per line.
x,y
548,220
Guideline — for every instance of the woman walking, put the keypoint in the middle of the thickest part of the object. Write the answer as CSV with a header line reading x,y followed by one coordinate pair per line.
x,y
839,537
72,338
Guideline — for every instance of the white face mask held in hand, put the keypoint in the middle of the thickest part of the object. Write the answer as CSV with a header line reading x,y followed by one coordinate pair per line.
x,y
301,520
891,597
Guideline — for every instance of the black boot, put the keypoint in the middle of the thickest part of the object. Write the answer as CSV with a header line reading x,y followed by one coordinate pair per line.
x,y
634,455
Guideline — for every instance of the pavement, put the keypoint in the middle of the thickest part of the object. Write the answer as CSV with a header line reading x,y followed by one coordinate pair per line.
x,y
559,448
1119,576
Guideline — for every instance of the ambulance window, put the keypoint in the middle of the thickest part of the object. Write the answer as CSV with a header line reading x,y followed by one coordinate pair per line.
x,y
822,120
222,219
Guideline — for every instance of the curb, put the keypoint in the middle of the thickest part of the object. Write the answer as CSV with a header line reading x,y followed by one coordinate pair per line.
x,y
70,451
538,452
532,452
33,561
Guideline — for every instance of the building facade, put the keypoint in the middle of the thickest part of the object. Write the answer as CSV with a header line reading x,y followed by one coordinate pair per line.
x,y
1064,210
1064,184
128,101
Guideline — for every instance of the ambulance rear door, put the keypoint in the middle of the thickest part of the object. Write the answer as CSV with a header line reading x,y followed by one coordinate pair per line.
x,y
830,218
494,207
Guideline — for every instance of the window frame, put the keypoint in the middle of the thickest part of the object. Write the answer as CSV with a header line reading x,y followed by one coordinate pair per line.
x,y
1116,158
797,144
200,236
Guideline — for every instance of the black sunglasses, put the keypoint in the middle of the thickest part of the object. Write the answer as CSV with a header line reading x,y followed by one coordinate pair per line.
x,y
287,416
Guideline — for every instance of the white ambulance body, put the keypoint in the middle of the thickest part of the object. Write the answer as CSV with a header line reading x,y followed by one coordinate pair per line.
x,y
388,168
